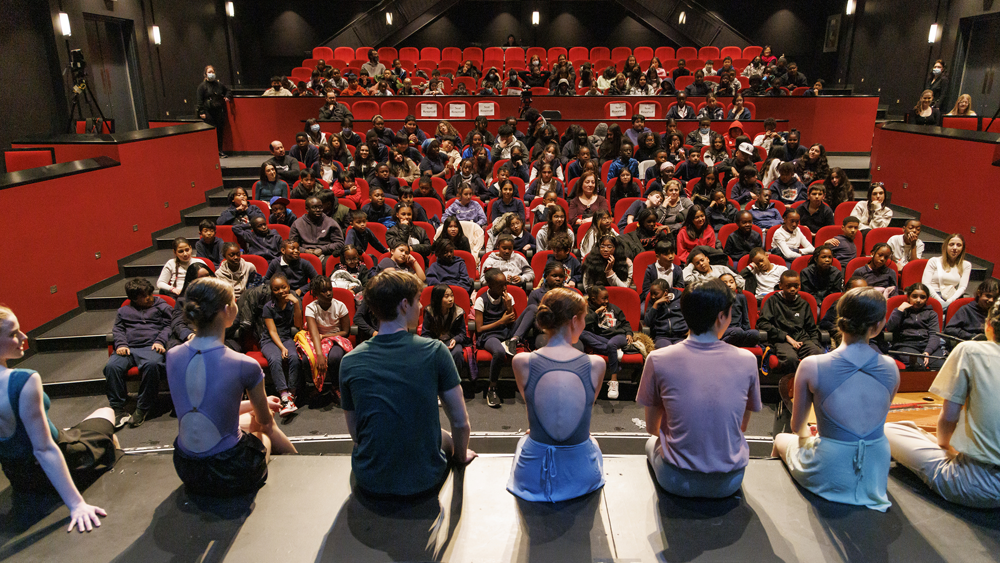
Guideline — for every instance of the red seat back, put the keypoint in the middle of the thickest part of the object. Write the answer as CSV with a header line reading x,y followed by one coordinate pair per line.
x,y
774,258
430,53
912,272
324,53
395,109
955,306
895,302
708,52
259,263
597,53
364,110
875,236
23,159
752,51
627,300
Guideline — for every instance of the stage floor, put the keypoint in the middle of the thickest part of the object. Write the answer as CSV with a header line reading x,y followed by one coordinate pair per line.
x,y
307,512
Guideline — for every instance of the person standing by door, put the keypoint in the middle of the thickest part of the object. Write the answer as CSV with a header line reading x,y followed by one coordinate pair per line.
x,y
213,96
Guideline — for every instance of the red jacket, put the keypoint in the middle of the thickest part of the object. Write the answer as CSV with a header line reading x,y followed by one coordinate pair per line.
x,y
685,244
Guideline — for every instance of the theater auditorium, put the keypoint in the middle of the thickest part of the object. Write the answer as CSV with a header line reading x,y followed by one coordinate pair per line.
x,y
499,280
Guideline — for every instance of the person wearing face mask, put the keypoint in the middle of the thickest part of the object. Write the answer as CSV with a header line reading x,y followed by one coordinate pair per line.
x,y
703,135
505,143
212,99
373,67
535,76
937,83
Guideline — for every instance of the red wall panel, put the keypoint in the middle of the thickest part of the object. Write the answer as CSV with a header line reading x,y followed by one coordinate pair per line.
x,y
61,223
842,124
963,200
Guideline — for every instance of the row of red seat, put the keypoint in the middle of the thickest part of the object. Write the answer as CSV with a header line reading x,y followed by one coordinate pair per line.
x,y
387,54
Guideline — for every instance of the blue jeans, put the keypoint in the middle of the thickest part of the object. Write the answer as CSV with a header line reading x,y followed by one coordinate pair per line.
x,y
276,365
152,366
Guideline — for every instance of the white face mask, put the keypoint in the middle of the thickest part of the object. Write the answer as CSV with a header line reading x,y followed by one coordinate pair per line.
x,y
210,76
936,71
314,128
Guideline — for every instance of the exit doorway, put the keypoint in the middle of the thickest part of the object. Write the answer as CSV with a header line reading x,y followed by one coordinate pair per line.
x,y
113,71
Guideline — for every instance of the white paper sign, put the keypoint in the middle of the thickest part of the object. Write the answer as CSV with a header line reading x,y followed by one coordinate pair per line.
x,y
456,110
647,110
618,110
428,110
487,110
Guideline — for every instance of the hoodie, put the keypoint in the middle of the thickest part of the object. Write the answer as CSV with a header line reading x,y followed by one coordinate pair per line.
x,y
455,273
731,136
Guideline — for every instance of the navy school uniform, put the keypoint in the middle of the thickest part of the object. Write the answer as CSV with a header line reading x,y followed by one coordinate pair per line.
x,y
287,219
455,273
666,323
377,214
675,278
633,209
740,333
967,323
914,331
138,329
524,240
284,324
819,284
211,251
266,246
233,216
845,251
886,277
515,206
492,340
299,273
574,270
737,246
361,240
365,320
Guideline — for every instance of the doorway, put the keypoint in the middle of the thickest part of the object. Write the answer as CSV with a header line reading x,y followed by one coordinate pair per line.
x,y
982,60
114,71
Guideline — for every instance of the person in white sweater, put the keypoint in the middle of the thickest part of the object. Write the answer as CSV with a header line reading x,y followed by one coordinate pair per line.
x,y
788,240
765,274
947,276
514,266
907,247
699,269
873,213
172,275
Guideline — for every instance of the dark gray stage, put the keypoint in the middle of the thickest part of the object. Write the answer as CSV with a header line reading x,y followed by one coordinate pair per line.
x,y
307,512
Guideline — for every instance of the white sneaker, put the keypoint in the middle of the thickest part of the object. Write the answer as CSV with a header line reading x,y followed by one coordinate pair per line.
x,y
287,407
620,355
612,390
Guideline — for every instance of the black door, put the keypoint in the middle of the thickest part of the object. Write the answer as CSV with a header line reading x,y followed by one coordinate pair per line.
x,y
113,71
979,77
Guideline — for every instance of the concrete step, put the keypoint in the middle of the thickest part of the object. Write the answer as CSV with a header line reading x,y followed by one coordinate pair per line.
x,y
147,265
241,181
109,297
87,330
210,212
74,372
166,240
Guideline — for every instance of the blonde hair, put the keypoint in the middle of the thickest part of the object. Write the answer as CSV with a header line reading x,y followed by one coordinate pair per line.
x,y
946,258
5,313
968,109
558,307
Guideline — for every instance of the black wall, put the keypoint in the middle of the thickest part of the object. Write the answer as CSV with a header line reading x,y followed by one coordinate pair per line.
x,y
32,97
275,37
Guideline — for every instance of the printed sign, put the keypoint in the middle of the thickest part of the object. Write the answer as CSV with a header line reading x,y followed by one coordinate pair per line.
x,y
618,110
456,110
428,110
647,110
487,110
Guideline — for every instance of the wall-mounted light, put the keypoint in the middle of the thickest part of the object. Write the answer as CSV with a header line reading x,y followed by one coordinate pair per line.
x,y
156,35
850,7
388,18
64,24
682,19
230,9
932,36
534,18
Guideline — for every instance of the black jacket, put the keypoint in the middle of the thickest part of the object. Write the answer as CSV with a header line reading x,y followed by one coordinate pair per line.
x,y
819,284
779,319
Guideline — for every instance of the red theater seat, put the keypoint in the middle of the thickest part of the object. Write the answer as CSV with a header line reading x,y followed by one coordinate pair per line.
x,y
597,53
617,110
734,52
579,54
430,53
752,51
364,110
912,272
259,263
324,53
875,236
395,109
23,159
386,55
665,53
709,52
643,53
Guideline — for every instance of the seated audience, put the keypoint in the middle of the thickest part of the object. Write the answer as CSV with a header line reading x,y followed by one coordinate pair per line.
x,y
820,278
925,113
445,321
967,322
788,241
606,332
907,247
171,278
447,269
316,233
765,214
360,236
739,333
847,461
400,258
744,238
286,167
914,327
663,268
877,271
842,245
208,246
607,266
663,316
280,214
465,208
239,210
498,329
406,232
814,213
689,457
874,213
695,231
140,332
788,320
947,276
258,239
234,270
298,273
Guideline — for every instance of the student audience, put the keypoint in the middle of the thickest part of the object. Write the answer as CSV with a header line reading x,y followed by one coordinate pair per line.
x,y
947,276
